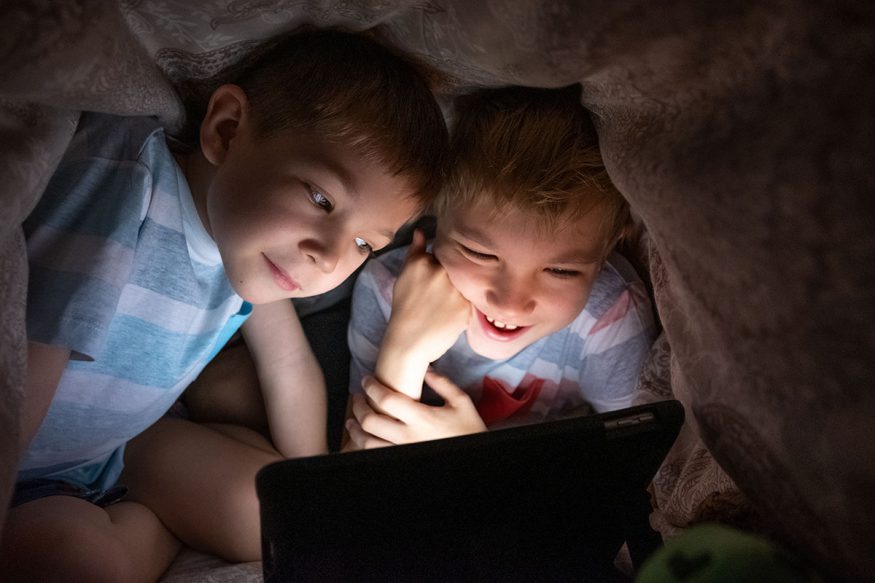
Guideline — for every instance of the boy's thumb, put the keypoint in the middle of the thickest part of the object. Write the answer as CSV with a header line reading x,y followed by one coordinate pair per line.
x,y
417,245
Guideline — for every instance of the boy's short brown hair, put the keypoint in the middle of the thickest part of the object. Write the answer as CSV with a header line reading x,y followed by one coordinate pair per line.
x,y
534,150
351,89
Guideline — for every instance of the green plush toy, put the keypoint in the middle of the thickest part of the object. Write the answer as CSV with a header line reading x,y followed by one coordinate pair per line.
x,y
713,553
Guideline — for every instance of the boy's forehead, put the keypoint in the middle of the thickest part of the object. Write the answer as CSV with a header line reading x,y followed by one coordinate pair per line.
x,y
580,238
345,169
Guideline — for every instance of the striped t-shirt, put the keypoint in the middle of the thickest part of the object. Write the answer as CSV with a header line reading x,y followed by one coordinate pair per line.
x,y
593,363
124,274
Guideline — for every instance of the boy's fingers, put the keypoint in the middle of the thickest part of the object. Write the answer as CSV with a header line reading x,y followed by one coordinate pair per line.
x,y
386,400
419,239
364,414
445,387
361,438
417,245
375,423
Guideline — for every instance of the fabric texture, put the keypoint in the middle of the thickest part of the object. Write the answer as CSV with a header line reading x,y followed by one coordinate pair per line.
x,y
742,134
591,364
122,273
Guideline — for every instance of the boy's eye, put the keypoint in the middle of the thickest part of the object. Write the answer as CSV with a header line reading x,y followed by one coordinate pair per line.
x,y
476,254
363,246
320,200
562,273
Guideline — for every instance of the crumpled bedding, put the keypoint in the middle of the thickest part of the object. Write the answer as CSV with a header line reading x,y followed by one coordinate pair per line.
x,y
194,567
741,133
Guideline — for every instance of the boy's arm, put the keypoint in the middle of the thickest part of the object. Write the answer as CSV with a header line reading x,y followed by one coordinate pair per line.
x,y
45,365
428,315
291,380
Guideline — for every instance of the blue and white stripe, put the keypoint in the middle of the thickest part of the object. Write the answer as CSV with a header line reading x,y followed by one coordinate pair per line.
x,y
123,273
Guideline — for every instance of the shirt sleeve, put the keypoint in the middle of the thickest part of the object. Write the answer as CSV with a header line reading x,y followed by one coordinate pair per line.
x,y
616,349
371,307
81,241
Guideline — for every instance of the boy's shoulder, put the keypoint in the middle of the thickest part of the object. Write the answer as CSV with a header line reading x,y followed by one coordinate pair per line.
x,y
389,263
620,267
114,137
112,172
379,274
616,278
617,298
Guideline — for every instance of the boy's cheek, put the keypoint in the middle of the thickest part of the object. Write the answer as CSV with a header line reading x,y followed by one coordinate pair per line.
x,y
463,278
440,251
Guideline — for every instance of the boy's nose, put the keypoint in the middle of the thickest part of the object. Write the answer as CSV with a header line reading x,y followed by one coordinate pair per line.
x,y
325,257
326,262
511,301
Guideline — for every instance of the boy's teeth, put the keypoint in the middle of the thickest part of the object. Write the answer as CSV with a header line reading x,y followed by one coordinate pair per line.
x,y
501,325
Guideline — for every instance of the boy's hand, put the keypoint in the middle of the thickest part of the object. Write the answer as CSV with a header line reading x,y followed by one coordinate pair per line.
x,y
428,313
405,420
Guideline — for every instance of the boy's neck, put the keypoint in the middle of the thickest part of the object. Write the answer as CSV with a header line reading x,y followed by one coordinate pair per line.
x,y
198,172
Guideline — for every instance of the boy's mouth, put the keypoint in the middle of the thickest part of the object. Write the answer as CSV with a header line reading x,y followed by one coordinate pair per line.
x,y
281,278
498,330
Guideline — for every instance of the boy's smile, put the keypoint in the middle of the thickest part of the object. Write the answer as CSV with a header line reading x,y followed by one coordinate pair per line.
x,y
281,277
524,282
498,330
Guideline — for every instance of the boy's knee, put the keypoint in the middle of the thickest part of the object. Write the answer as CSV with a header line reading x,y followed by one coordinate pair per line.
x,y
69,552
242,542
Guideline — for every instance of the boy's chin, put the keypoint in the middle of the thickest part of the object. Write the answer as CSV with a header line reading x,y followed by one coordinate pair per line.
x,y
494,350
257,297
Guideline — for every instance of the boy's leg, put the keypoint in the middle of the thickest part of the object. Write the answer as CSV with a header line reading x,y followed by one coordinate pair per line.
x,y
200,481
63,538
227,391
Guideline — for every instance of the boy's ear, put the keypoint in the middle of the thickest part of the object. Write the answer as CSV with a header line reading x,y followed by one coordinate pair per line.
x,y
227,111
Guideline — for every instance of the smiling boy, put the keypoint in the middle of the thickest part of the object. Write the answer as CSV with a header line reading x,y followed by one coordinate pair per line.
x,y
144,261
521,308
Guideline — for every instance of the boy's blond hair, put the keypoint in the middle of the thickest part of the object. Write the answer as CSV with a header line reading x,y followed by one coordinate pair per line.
x,y
534,150
351,89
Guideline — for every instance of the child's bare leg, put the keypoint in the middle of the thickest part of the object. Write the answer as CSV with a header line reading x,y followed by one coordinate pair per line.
x,y
63,538
200,480
228,391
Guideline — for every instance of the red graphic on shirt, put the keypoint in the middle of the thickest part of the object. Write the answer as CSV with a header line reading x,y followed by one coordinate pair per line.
x,y
497,403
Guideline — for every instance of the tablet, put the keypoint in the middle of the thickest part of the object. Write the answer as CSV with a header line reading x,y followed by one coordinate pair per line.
x,y
551,501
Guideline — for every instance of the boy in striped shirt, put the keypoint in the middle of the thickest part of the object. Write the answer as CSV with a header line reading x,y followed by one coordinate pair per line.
x,y
144,260
519,311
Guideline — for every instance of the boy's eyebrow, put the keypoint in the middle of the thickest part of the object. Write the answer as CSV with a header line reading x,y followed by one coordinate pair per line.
x,y
575,258
338,171
344,177
481,238
475,235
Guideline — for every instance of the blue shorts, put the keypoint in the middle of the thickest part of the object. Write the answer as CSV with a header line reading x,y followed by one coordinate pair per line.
x,y
29,490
